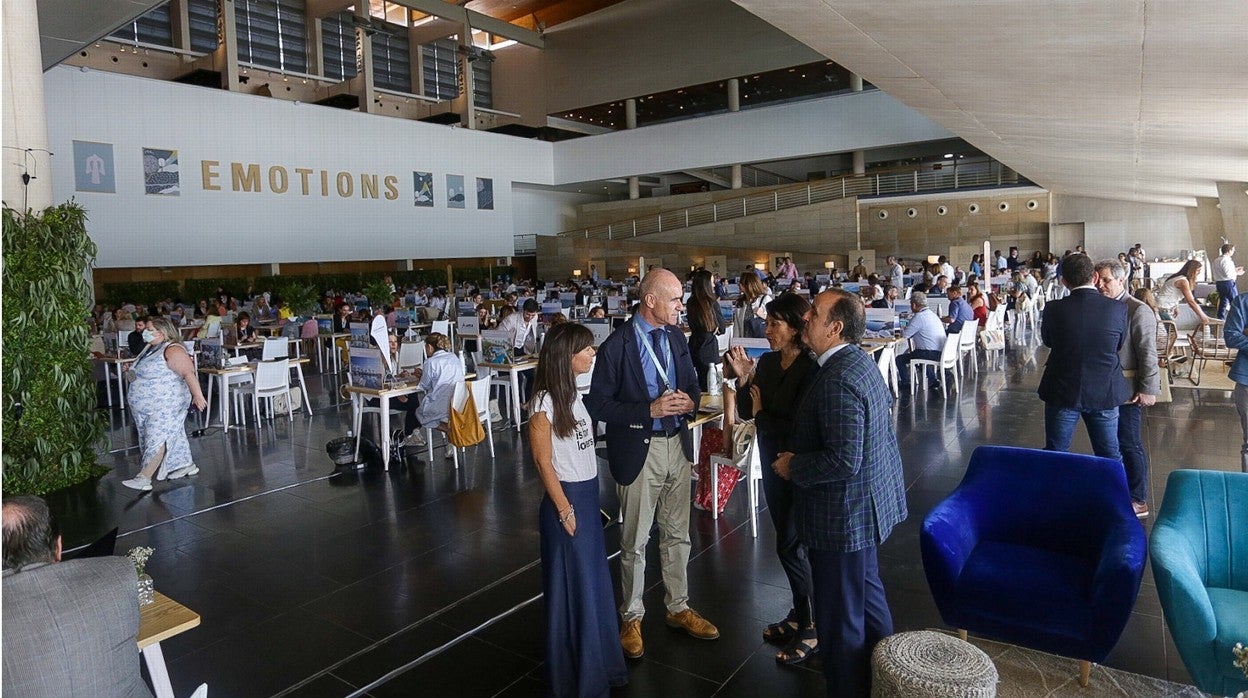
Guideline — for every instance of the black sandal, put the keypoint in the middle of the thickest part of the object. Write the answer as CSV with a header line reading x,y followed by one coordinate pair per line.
x,y
798,650
782,632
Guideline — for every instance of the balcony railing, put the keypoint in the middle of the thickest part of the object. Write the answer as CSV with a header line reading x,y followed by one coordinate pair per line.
x,y
980,174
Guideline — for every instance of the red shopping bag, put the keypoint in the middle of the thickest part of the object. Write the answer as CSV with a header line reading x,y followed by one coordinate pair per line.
x,y
713,445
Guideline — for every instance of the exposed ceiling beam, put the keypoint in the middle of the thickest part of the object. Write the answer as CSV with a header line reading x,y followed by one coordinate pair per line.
x,y
476,20
324,8
708,177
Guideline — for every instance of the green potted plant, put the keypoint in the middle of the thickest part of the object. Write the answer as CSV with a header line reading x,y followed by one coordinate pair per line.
x,y
379,294
300,297
50,423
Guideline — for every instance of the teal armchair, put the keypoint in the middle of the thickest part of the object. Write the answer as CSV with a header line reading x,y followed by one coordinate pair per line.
x,y
1199,548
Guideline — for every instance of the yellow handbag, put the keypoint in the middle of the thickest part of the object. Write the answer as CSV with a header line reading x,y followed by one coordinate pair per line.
x,y
464,426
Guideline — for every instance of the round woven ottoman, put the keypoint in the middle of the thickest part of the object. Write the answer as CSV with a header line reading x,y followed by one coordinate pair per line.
x,y
928,663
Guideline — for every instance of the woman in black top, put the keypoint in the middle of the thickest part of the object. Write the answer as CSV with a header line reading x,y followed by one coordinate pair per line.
x,y
705,324
770,392
342,319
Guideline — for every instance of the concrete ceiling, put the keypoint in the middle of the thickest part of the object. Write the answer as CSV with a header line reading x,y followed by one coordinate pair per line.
x,y
65,26
1142,100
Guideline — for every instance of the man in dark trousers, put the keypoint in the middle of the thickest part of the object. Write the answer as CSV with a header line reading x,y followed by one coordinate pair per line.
x,y
1083,376
1139,359
645,388
849,490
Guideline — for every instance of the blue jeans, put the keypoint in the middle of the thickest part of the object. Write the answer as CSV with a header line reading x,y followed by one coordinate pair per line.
x,y
1059,426
1227,292
1134,457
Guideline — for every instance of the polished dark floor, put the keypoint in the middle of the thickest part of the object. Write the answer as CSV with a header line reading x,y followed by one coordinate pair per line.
x,y
316,583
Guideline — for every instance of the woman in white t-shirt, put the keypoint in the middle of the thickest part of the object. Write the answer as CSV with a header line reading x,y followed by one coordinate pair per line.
x,y
583,653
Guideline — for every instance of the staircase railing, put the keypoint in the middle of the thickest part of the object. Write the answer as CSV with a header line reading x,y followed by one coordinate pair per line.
x,y
982,174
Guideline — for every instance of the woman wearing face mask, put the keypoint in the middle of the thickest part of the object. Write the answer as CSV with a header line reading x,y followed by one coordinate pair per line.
x,y
164,385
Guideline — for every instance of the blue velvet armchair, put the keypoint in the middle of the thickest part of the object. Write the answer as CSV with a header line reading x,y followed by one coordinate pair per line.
x,y
1039,549
1200,562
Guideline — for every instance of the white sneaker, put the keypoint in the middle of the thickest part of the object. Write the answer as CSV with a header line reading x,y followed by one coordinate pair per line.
x,y
416,438
191,469
139,483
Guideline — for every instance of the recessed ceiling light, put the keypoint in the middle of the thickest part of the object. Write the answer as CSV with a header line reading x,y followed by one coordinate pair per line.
x,y
948,155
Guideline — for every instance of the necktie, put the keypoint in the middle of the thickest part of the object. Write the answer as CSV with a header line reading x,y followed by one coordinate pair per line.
x,y
656,339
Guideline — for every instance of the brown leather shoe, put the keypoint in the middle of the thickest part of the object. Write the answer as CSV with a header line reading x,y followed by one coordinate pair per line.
x,y
630,639
694,624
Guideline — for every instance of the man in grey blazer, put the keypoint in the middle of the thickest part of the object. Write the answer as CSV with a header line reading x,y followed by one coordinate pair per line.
x,y
1139,364
849,490
70,628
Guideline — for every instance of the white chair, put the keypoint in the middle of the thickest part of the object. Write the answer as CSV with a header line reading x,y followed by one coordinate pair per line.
x,y
411,355
190,349
275,348
237,384
360,407
725,340
753,474
948,361
886,360
272,379
458,399
966,344
445,327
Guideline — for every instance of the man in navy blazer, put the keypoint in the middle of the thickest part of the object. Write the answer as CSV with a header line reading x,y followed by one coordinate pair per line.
x,y
645,388
1083,376
849,490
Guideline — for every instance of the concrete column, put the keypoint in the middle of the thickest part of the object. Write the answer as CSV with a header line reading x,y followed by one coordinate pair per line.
x,y
630,121
315,45
1204,224
860,159
416,61
1233,198
364,88
225,58
468,117
25,115
734,104
180,17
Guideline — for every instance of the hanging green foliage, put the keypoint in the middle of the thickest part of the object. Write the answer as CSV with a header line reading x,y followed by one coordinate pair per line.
x,y
50,423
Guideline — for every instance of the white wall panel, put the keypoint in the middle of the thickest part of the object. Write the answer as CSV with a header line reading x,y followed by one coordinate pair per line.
x,y
828,125
237,227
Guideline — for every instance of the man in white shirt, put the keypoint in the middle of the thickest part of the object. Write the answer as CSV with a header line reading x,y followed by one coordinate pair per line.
x,y
927,338
1224,275
523,328
896,275
946,269
1001,262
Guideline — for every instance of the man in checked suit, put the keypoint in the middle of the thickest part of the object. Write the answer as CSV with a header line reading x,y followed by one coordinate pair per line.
x,y
849,490
645,388
69,627
1083,376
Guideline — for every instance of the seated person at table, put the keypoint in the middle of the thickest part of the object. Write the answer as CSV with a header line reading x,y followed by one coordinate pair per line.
x,y
598,312
960,311
342,319
940,287
135,341
439,374
926,334
246,333
890,297
264,311
70,628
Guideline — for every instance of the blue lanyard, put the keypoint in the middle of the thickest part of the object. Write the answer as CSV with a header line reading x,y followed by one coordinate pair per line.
x,y
667,354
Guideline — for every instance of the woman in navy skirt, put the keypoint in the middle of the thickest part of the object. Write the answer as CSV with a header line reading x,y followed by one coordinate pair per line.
x,y
583,655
